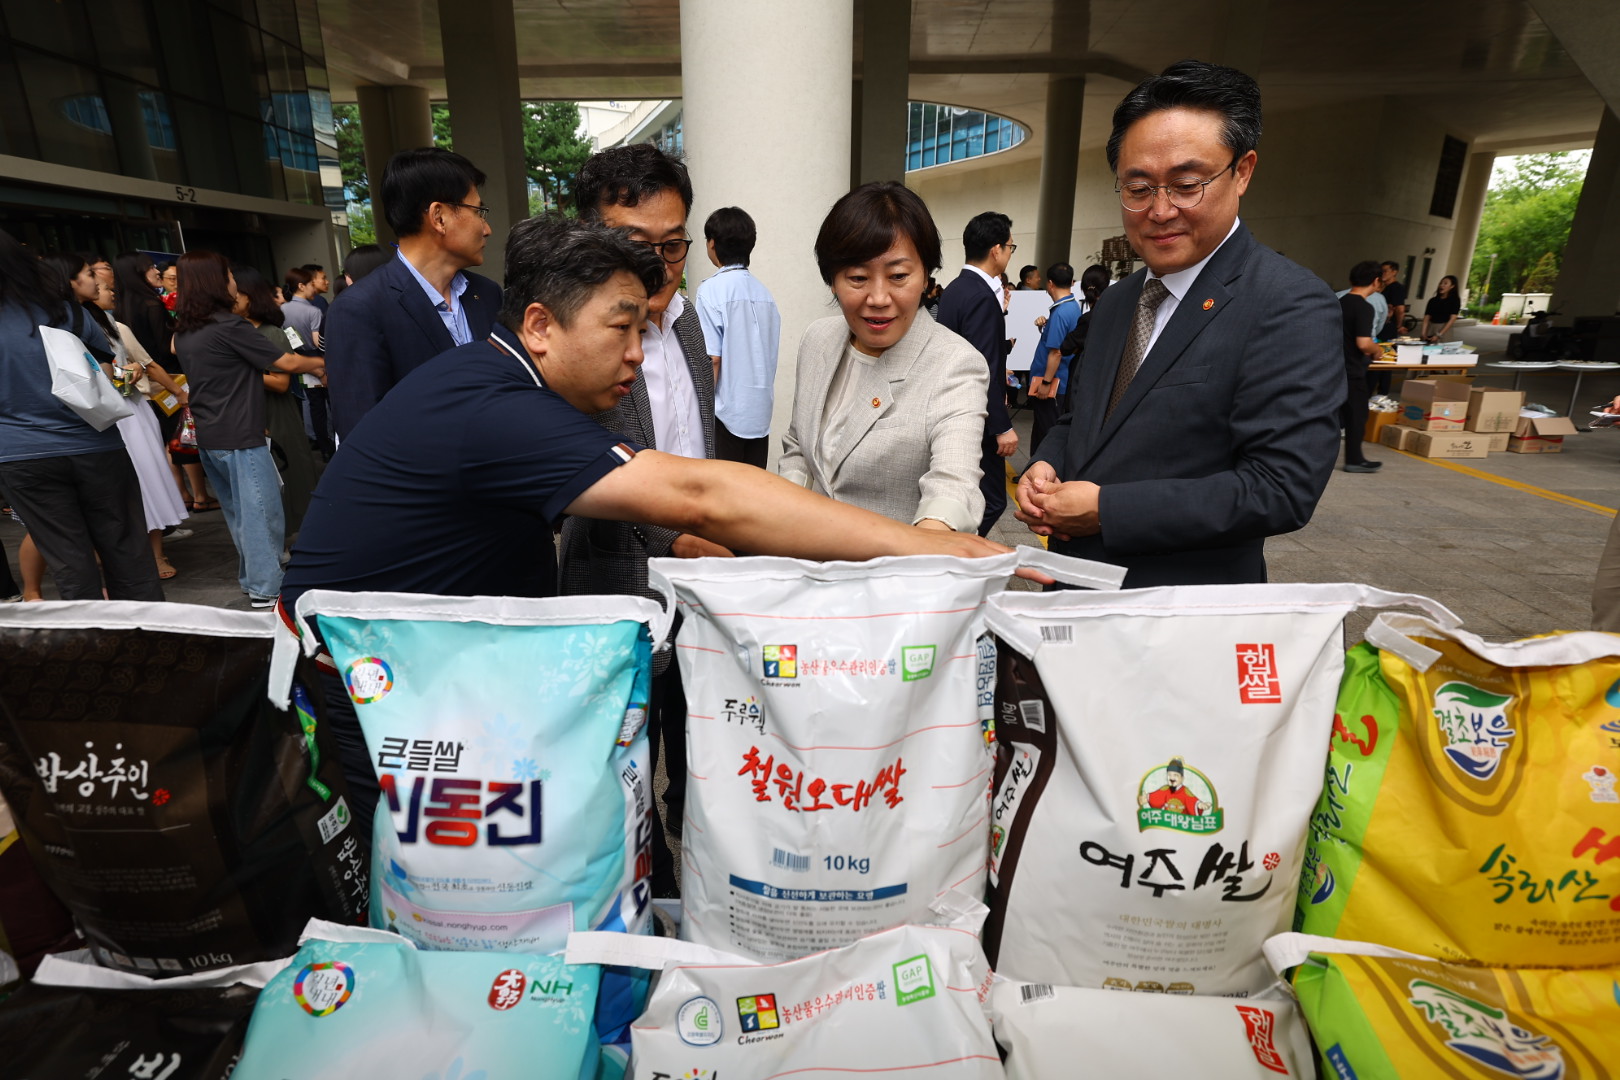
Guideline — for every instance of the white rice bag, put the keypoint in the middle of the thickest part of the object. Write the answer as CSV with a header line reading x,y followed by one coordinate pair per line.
x,y
507,735
1159,754
904,1001
1072,1033
839,775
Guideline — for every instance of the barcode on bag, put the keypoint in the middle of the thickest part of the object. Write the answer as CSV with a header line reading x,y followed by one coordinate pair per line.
x,y
1057,634
786,860
1030,992
1033,714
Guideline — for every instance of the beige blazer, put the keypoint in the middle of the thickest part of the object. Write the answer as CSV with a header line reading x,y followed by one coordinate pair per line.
x,y
915,448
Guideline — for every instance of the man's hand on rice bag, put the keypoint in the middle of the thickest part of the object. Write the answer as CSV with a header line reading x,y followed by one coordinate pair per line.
x,y
749,509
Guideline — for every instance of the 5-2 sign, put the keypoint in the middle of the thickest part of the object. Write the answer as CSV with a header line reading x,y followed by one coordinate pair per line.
x,y
185,194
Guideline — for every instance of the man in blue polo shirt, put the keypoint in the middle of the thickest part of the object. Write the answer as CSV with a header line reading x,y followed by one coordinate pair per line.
x,y
1049,369
452,484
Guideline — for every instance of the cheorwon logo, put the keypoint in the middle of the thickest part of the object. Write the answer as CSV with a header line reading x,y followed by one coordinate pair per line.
x,y
1485,1034
1173,796
1474,723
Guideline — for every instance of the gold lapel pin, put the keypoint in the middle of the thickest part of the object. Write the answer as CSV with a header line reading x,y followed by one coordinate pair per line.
x,y
1208,304
876,402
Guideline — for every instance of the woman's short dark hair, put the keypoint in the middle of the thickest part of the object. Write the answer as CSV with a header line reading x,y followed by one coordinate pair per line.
x,y
732,231
202,278
1194,84
558,261
363,260
624,175
1364,273
261,296
416,179
134,294
868,221
58,269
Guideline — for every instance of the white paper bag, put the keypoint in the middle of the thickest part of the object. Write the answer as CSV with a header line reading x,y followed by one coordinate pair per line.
x,y
78,382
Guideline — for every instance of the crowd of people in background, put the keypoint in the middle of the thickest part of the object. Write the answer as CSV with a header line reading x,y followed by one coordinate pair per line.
x,y
66,482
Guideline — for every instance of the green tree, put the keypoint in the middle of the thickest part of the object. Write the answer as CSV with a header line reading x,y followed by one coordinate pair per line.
x,y
351,153
1544,275
440,113
362,227
1526,223
553,152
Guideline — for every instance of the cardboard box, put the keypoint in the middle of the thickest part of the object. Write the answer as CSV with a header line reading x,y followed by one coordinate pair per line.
x,y
1540,435
1397,436
1490,409
1497,441
1448,444
1376,423
1434,404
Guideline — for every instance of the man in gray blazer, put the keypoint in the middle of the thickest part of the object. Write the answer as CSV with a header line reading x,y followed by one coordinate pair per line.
x,y
670,408
1206,412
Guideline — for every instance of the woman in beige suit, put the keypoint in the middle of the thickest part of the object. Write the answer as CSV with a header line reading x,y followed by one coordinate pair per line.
x,y
888,406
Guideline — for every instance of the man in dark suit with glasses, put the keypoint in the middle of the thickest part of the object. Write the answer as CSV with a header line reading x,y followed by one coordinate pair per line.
x,y
425,301
1206,413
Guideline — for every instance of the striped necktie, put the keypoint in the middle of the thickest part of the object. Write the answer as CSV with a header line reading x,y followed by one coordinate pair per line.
x,y
1153,294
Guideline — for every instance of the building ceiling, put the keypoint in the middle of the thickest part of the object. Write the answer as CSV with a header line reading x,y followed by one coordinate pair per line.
x,y
1489,69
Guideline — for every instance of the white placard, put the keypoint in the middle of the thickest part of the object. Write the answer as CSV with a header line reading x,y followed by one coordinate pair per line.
x,y
1023,309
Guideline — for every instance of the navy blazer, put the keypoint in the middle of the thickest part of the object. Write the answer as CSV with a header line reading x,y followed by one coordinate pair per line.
x,y
383,327
968,307
1229,431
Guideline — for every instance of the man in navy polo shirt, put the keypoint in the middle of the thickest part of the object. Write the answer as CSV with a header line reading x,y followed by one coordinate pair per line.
x,y
452,484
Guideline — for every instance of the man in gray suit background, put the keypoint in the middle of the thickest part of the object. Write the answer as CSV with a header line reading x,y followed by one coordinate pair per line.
x,y
670,408
1206,412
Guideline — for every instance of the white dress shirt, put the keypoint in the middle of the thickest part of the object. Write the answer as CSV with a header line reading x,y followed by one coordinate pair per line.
x,y
743,328
1177,284
993,284
677,421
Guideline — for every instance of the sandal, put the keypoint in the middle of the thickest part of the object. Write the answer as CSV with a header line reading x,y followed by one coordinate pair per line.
x,y
166,569
207,504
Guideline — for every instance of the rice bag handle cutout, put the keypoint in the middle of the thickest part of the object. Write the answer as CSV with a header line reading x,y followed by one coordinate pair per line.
x,y
1084,573
1287,951
1395,632
294,632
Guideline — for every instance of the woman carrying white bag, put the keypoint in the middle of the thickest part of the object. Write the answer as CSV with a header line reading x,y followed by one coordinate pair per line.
x,y
72,484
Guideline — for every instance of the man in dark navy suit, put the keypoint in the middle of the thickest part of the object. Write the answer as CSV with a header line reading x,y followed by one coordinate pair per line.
x,y
971,306
1206,414
424,301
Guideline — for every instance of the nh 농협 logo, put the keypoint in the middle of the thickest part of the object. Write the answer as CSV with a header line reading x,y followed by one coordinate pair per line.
x,y
1474,723
1173,796
1485,1034
758,1013
780,661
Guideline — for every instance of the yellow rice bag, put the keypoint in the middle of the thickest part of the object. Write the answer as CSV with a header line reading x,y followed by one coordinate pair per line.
x,y
1470,811
1394,1018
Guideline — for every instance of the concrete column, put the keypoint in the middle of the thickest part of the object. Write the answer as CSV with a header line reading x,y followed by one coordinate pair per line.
x,y
129,129
1470,205
884,90
1589,277
780,151
1060,169
392,118
486,117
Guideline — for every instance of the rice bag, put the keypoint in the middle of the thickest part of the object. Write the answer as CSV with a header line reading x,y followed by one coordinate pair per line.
x,y
904,1001
185,821
1470,810
839,774
32,921
78,1020
357,1002
1389,1017
507,737
1158,755
1072,1033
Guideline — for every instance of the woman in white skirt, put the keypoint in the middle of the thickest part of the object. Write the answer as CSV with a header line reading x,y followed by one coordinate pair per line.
x,y
159,496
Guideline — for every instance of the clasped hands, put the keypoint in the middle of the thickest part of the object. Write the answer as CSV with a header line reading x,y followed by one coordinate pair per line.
x,y
1051,507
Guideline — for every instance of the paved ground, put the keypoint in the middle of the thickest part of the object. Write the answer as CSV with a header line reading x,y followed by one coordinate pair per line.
x,y
1509,542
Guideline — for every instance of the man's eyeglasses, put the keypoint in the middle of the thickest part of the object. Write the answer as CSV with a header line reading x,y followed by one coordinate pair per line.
x,y
1184,193
481,211
671,251
1012,249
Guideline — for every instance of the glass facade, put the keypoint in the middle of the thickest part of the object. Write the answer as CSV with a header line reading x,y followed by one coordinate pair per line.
x,y
230,95
671,138
940,134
